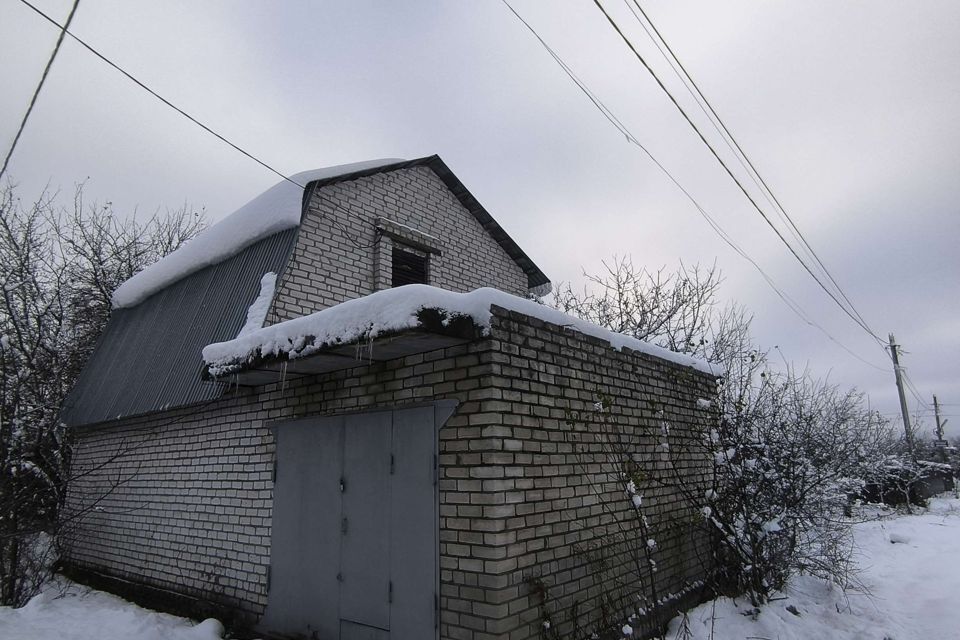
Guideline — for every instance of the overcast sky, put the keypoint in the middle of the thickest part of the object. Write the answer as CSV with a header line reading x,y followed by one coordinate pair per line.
x,y
850,110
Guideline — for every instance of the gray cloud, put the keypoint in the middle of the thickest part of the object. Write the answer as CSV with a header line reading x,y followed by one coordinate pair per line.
x,y
849,109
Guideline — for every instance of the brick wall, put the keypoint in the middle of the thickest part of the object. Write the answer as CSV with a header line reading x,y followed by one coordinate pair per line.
x,y
534,496
339,255
180,500
192,509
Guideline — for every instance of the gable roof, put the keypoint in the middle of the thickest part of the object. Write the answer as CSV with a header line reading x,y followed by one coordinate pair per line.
x,y
281,207
535,277
149,356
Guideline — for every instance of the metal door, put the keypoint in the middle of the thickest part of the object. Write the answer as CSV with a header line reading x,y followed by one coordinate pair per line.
x,y
365,525
306,484
354,548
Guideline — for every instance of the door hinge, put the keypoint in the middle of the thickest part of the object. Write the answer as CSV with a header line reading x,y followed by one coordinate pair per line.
x,y
343,526
436,470
273,474
436,610
393,464
269,577
343,484
390,592
339,577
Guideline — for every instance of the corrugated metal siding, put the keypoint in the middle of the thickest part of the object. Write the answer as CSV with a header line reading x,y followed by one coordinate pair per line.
x,y
148,358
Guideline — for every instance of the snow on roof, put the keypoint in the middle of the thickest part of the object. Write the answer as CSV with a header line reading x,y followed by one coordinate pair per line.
x,y
396,309
276,209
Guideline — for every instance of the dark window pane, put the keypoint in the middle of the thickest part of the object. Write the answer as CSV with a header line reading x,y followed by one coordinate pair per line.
x,y
408,268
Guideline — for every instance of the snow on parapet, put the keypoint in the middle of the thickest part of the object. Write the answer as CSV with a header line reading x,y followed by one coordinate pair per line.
x,y
274,210
396,309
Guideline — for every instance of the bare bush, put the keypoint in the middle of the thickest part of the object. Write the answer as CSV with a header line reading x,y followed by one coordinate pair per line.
x,y
674,310
59,268
786,450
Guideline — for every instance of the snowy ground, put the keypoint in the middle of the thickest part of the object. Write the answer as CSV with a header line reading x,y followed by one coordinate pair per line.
x,y
68,611
910,565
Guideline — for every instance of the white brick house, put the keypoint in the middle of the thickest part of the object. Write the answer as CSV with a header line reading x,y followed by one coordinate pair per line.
x,y
406,486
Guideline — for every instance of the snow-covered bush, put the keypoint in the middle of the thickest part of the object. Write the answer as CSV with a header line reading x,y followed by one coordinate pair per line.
x,y
58,270
787,450
788,453
900,476
894,479
672,310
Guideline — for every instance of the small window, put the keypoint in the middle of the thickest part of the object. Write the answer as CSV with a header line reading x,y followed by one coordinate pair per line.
x,y
408,267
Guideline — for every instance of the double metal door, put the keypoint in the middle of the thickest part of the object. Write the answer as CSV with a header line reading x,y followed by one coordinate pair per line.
x,y
354,544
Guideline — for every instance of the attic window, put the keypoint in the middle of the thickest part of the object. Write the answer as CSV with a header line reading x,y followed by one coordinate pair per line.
x,y
409,267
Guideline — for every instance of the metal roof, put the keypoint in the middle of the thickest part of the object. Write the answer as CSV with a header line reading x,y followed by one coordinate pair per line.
x,y
148,358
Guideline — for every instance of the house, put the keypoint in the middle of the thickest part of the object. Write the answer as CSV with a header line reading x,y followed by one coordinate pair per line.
x,y
272,429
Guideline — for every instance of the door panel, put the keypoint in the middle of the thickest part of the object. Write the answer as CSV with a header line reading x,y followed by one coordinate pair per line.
x,y
365,544
414,526
305,542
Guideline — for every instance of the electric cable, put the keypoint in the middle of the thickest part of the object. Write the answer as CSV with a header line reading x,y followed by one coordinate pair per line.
x,y
714,118
718,229
913,390
192,119
36,92
790,248
159,97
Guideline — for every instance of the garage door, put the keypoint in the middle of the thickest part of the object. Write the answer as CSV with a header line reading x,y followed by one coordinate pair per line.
x,y
354,548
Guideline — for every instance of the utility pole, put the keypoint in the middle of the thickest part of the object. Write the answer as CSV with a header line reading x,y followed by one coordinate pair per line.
x,y
907,429
936,412
941,442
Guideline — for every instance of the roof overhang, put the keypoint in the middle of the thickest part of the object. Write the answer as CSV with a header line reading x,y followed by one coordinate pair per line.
x,y
435,331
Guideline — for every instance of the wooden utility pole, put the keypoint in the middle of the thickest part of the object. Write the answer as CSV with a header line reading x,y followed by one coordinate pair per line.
x,y
936,412
907,429
941,443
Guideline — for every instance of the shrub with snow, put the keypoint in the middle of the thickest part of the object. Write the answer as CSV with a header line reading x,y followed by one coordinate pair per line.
x,y
57,271
788,452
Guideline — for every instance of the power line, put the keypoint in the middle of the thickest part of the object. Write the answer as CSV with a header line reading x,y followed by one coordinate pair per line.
x,y
36,92
63,30
159,97
610,116
719,230
911,387
848,312
913,391
725,134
